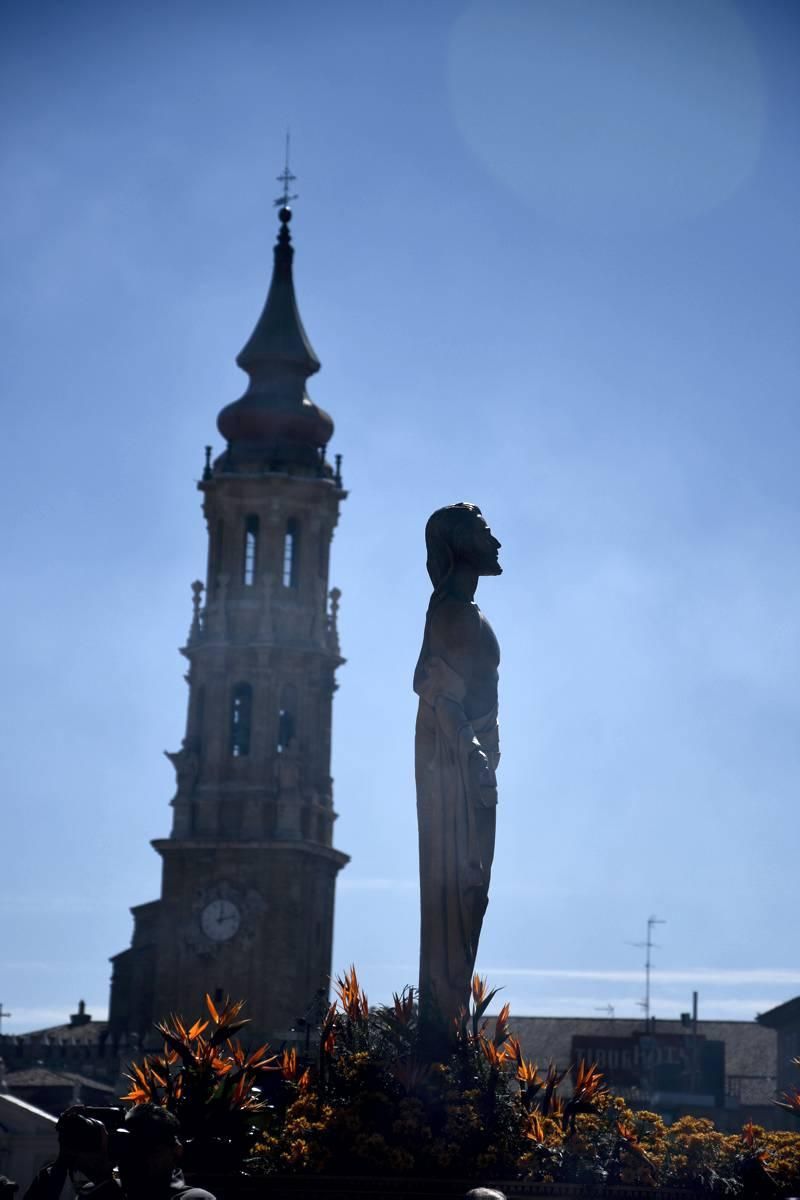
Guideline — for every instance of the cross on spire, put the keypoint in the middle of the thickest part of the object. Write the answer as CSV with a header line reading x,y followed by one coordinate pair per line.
x,y
286,178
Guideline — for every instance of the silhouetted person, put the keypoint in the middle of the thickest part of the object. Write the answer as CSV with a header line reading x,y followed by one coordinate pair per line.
x,y
83,1166
146,1149
149,1156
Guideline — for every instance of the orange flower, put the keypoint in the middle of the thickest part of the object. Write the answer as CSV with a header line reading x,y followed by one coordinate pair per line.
x,y
501,1030
534,1130
494,1056
351,996
790,1101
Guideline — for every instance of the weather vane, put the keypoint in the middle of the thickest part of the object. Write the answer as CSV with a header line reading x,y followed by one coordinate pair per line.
x,y
286,178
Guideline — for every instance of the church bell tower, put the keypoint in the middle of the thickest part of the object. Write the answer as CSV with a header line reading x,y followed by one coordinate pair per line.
x,y
249,870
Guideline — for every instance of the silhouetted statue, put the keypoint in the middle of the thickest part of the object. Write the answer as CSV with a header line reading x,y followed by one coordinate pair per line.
x,y
187,768
457,752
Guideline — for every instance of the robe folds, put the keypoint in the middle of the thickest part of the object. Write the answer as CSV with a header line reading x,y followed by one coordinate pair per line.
x,y
456,821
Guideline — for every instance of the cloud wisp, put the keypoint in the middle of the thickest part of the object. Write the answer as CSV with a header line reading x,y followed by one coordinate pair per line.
x,y
378,884
717,976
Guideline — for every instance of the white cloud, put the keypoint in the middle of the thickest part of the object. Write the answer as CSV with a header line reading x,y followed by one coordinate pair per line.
x,y
379,885
525,1005
718,976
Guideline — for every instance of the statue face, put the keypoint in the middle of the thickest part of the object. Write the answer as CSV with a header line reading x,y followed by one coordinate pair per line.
x,y
480,547
459,534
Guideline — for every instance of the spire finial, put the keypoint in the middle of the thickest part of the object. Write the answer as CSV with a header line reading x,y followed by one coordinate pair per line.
x,y
286,178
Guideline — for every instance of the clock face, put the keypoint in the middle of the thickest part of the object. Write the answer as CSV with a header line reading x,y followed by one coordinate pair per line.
x,y
220,919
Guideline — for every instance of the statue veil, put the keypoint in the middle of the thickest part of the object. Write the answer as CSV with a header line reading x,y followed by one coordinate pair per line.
x,y
442,534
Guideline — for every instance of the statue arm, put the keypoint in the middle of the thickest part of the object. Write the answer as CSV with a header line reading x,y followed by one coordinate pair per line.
x,y
458,731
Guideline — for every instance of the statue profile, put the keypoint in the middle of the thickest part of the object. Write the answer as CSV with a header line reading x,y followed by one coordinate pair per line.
x,y
456,753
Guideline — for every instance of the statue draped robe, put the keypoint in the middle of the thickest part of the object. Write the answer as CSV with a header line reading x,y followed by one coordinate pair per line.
x,y
456,822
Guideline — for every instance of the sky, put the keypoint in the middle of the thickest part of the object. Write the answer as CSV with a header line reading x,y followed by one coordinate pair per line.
x,y
547,252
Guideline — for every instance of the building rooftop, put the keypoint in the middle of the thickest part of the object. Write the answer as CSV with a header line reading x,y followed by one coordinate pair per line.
x,y
86,1034
44,1077
750,1048
783,1014
24,1106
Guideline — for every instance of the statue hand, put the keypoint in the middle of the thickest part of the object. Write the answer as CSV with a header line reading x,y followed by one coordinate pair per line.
x,y
482,779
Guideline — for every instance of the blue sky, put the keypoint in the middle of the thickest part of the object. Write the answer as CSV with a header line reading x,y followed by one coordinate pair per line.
x,y
548,255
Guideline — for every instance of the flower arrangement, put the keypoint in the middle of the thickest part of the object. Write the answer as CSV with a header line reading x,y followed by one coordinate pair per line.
x,y
210,1082
370,1104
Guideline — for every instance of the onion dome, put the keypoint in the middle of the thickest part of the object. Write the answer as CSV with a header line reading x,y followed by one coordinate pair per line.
x,y
274,422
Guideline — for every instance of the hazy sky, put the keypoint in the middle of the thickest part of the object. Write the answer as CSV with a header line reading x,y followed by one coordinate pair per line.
x,y
548,252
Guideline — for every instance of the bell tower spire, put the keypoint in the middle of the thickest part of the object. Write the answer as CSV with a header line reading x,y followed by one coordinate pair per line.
x,y
275,420
249,870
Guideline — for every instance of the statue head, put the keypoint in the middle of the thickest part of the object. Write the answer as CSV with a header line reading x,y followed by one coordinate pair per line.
x,y
459,535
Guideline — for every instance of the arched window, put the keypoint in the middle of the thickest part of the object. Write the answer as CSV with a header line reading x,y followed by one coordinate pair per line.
x,y
290,547
241,710
285,729
286,717
250,550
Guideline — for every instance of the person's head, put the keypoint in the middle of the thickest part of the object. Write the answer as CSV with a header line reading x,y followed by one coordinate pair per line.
x,y
149,1148
456,535
482,1193
83,1143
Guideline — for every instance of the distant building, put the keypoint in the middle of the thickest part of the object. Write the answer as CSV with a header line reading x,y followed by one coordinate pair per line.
x,y
726,1070
53,1091
27,1139
73,1062
785,1020
729,1071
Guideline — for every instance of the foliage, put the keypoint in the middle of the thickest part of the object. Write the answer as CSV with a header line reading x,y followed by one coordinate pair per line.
x,y
369,1103
209,1081
372,1105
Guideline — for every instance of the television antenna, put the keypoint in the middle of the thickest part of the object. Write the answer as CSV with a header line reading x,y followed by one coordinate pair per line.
x,y
648,945
608,1009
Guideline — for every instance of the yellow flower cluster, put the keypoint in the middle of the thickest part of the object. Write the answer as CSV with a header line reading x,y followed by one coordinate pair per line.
x,y
447,1130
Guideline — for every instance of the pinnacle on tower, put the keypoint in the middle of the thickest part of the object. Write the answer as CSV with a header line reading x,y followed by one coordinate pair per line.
x,y
275,422
279,339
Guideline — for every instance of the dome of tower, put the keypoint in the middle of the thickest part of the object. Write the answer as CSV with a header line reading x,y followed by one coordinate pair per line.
x,y
262,426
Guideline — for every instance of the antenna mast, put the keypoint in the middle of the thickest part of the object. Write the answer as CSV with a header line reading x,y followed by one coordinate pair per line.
x,y
649,945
